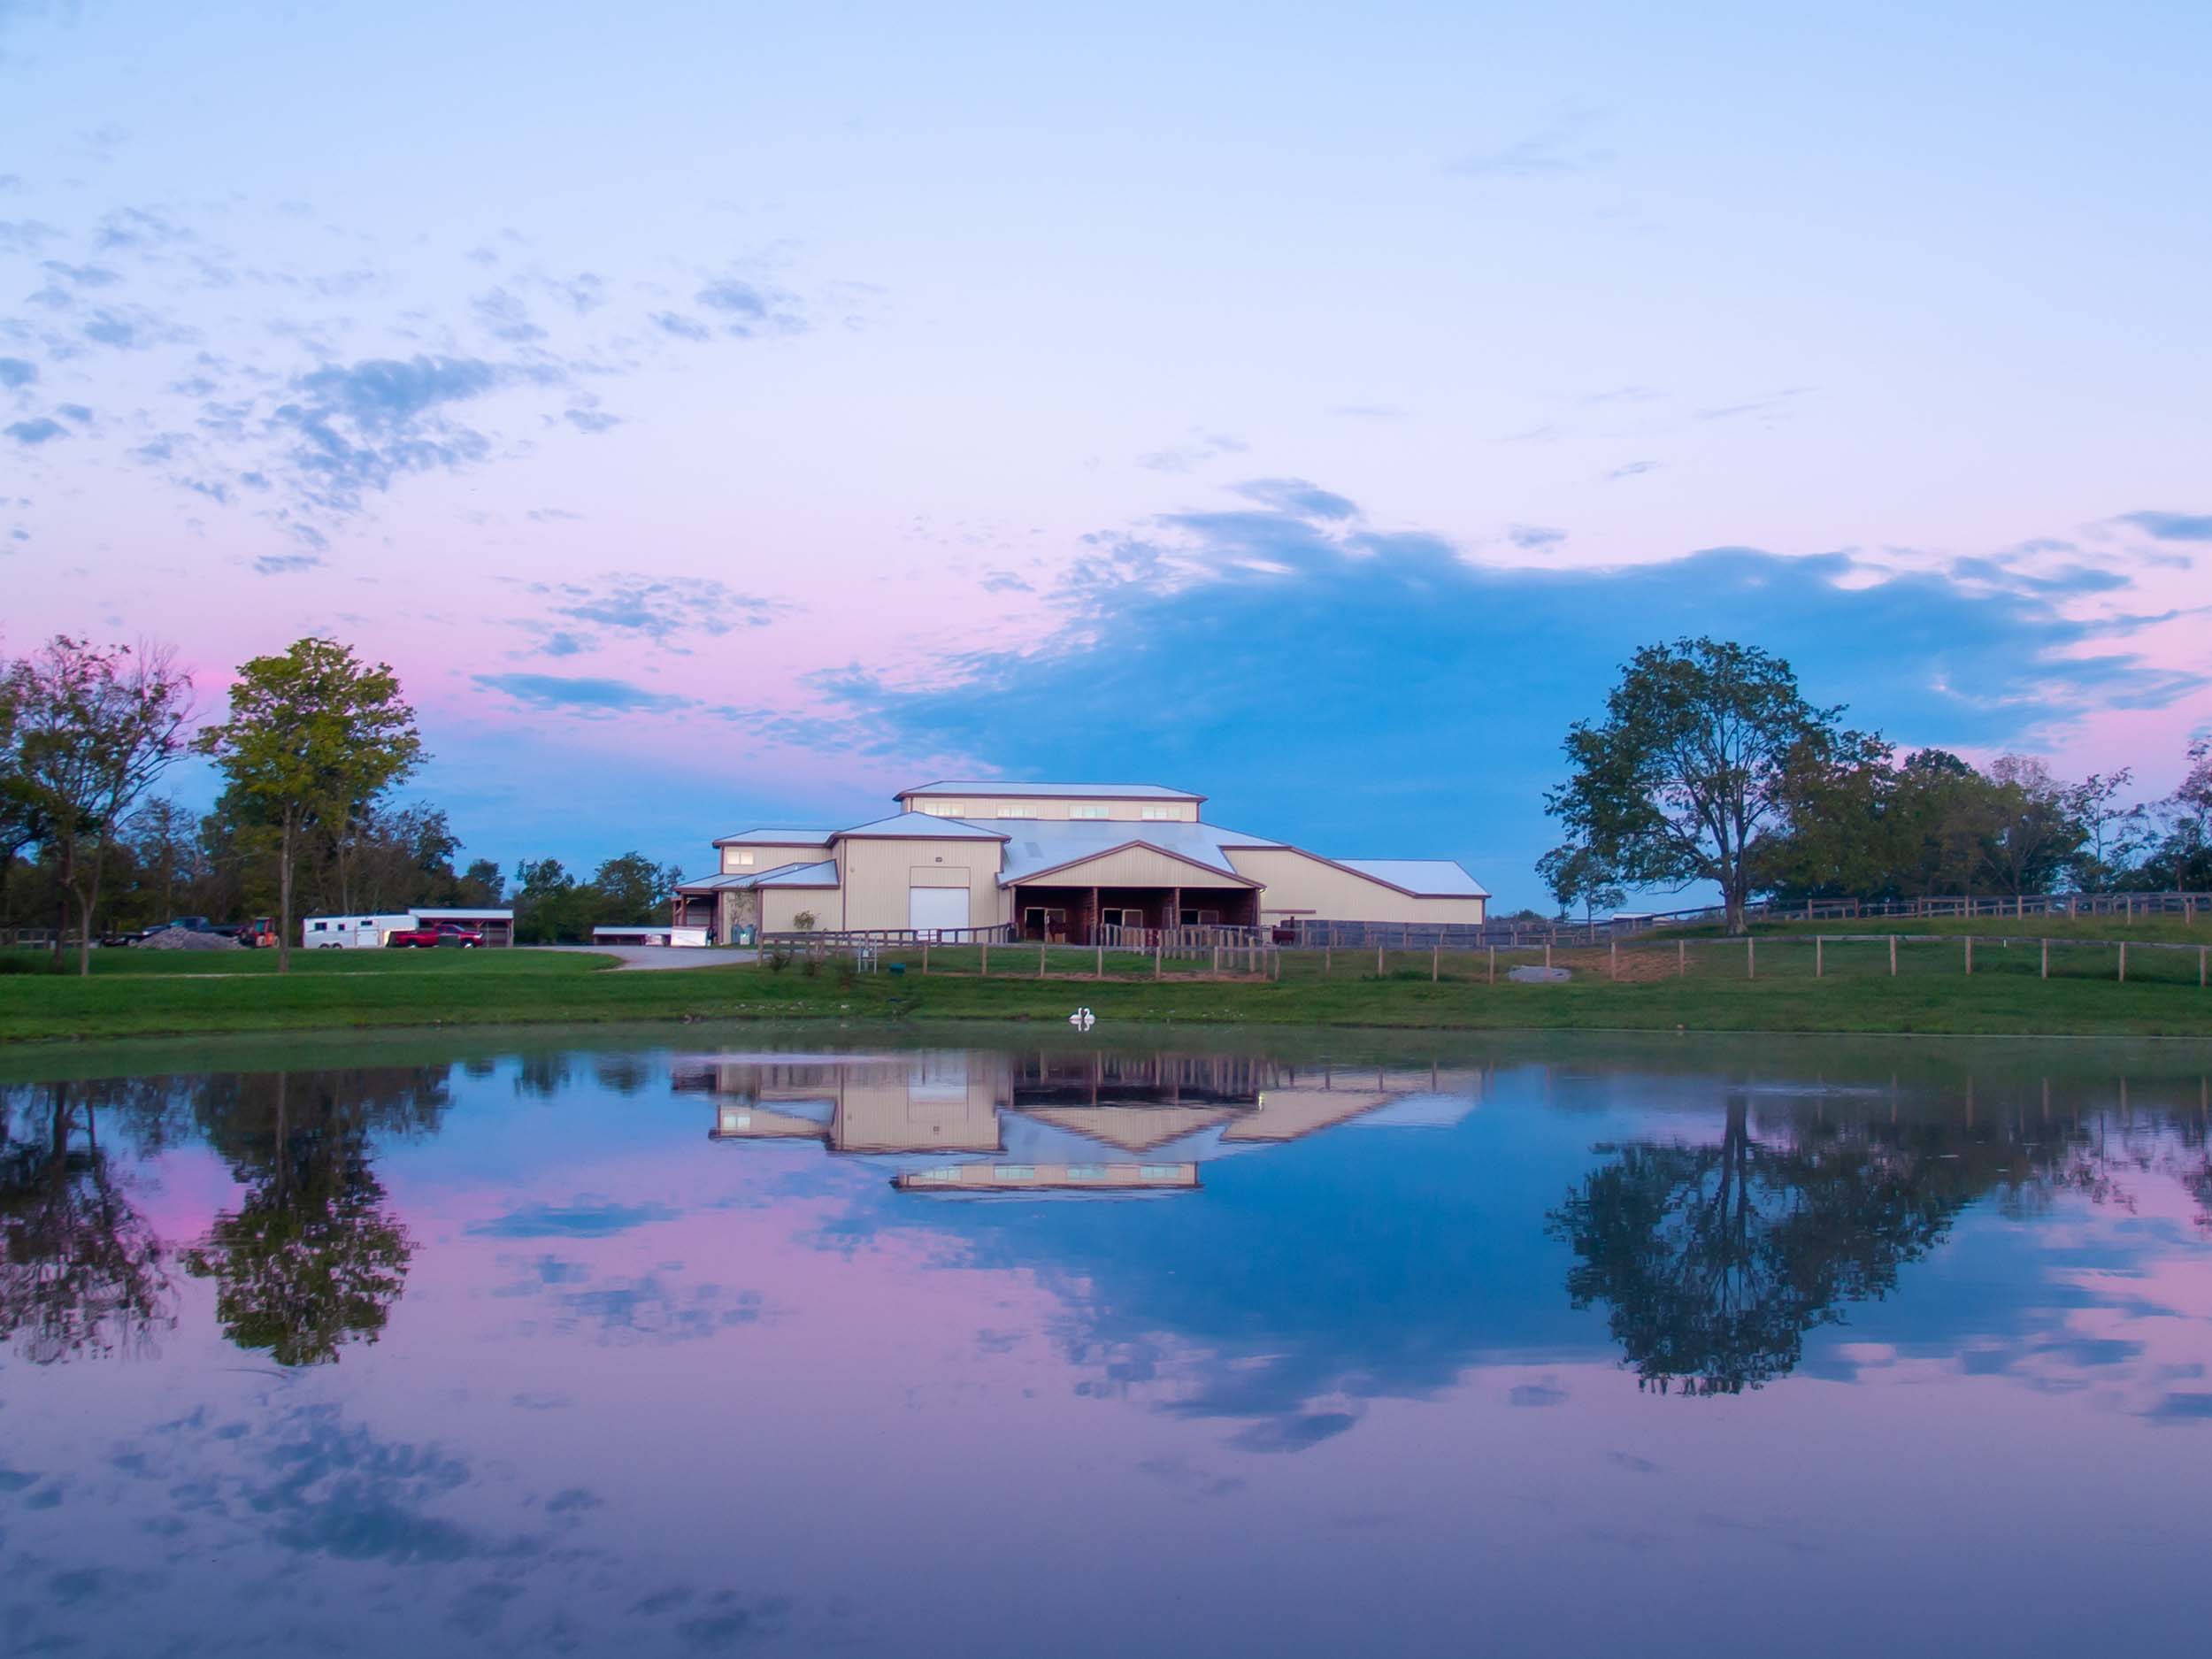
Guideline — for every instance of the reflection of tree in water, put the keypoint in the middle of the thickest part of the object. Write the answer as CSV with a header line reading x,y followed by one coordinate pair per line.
x,y
1716,1260
81,1270
314,1258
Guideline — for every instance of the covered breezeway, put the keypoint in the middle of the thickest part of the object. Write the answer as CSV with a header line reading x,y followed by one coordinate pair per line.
x,y
1062,914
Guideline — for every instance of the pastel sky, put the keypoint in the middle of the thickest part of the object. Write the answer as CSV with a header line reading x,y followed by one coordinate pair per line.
x,y
727,414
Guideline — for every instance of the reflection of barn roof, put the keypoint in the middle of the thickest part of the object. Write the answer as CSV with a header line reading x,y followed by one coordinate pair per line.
x,y
1030,1177
1133,1128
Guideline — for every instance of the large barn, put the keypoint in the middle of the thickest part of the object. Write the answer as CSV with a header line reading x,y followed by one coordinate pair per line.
x,y
1070,861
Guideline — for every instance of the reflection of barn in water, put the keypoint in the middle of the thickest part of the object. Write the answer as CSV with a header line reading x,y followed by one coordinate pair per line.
x,y
988,1121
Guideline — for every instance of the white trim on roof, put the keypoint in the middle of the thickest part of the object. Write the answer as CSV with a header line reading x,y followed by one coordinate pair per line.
x,y
1014,790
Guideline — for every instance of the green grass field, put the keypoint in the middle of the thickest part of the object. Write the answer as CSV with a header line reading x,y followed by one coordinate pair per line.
x,y
1695,985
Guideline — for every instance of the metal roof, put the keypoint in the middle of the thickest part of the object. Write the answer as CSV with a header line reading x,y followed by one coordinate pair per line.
x,y
777,838
1014,790
1424,877
775,875
1042,844
821,875
924,826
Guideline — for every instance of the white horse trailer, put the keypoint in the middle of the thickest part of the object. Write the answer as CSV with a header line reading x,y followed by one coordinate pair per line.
x,y
351,932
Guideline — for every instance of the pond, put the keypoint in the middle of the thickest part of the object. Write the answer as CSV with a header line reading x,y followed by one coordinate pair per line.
x,y
679,1342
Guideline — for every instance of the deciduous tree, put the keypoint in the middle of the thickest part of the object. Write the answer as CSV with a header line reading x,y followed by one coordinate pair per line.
x,y
1684,777
93,729
315,736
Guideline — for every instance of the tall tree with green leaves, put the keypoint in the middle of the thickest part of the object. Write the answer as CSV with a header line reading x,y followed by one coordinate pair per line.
x,y
1577,874
94,728
315,735
1685,778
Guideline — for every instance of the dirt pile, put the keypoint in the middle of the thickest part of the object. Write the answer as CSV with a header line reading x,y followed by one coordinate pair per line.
x,y
185,939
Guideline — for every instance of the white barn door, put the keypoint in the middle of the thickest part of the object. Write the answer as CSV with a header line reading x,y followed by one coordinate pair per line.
x,y
931,910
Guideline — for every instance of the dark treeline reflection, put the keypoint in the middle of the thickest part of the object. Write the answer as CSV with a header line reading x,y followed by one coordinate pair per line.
x,y
1716,1258
81,1270
1744,1219
312,1258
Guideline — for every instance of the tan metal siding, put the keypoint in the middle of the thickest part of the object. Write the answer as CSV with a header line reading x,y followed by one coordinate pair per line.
x,y
768,854
878,871
1300,884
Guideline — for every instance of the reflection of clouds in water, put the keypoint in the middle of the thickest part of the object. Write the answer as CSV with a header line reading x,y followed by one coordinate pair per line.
x,y
650,1307
483,1556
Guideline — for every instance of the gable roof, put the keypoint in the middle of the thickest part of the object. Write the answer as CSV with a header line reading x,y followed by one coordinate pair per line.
x,y
921,827
1134,844
1014,790
777,838
1045,844
821,875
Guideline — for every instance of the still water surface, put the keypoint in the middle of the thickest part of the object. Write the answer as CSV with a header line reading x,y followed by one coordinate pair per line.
x,y
667,1347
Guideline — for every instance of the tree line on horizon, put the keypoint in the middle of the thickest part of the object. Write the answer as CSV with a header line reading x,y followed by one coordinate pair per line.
x,y
313,755
1709,764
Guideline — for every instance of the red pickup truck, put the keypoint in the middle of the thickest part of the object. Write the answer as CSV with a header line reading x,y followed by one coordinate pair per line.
x,y
432,934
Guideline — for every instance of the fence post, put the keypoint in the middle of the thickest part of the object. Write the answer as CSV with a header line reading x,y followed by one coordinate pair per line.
x,y
2123,962
1493,965
1099,972
1436,961
1969,956
1613,960
1750,957
2046,958
1326,952
2200,967
1547,956
1819,966
1155,958
1893,956
985,971
1216,968
1681,958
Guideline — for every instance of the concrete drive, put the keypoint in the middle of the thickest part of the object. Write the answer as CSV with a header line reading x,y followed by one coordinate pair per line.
x,y
656,956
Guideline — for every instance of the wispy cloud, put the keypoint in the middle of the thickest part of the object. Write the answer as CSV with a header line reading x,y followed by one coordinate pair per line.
x,y
583,695
36,431
663,609
2170,526
1187,453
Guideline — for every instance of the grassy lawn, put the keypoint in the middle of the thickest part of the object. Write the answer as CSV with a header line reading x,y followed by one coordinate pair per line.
x,y
1700,986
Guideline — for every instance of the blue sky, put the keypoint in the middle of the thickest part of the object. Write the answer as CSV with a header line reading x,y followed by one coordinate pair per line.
x,y
730,413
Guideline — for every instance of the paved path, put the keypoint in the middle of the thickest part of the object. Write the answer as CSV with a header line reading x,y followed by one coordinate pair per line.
x,y
654,957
